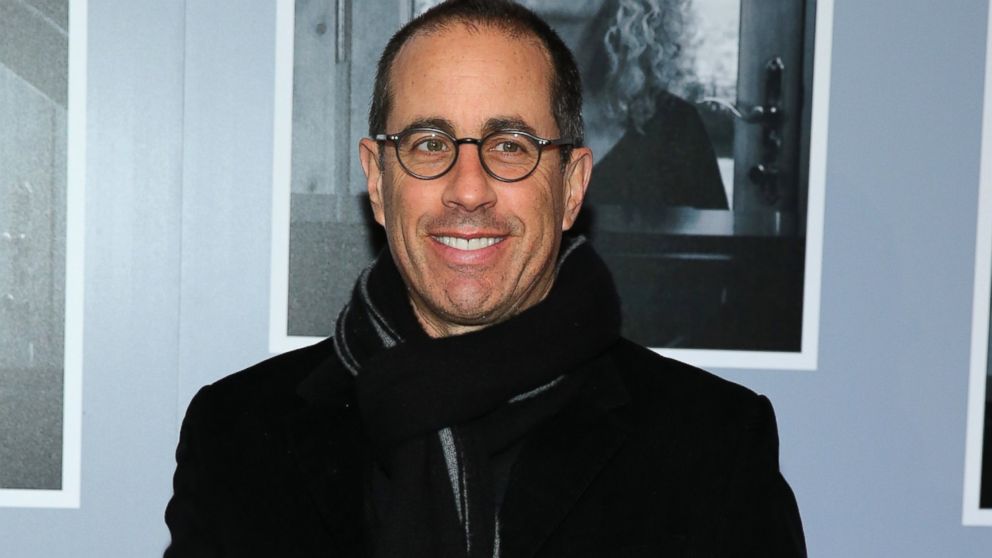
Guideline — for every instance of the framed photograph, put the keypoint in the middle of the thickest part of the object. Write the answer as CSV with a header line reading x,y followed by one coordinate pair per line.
x,y
42,157
978,448
707,120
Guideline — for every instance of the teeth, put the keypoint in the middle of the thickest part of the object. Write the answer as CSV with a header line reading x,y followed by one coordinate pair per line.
x,y
468,243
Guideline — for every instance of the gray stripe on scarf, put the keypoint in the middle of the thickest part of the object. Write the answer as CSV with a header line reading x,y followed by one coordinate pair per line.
x,y
537,391
576,242
451,459
459,487
341,343
386,333
496,538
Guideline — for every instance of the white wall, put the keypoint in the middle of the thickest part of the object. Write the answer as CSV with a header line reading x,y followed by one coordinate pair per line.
x,y
177,251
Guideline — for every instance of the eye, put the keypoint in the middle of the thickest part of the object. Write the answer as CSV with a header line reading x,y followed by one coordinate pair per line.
x,y
510,145
431,145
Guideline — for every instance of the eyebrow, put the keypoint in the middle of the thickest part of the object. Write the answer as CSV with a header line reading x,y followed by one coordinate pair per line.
x,y
437,122
507,123
493,124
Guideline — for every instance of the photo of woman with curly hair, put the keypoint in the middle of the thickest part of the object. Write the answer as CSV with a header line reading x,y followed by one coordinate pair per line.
x,y
649,142
655,161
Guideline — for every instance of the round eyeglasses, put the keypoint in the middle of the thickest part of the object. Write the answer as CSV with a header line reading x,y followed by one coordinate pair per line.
x,y
506,155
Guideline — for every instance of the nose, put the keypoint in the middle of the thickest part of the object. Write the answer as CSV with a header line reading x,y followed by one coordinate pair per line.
x,y
468,186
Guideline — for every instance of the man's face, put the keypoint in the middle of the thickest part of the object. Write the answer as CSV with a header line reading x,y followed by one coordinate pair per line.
x,y
473,251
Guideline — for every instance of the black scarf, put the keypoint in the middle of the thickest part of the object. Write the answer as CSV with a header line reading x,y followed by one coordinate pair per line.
x,y
438,410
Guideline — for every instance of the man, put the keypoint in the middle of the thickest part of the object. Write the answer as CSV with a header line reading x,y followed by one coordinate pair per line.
x,y
476,398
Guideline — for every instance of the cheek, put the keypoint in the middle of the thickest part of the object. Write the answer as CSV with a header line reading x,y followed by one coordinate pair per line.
x,y
547,201
406,204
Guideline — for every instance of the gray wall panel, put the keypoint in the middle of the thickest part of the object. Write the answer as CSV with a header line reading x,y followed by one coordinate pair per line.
x,y
227,192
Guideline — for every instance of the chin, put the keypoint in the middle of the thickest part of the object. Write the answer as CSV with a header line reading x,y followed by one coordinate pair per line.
x,y
469,314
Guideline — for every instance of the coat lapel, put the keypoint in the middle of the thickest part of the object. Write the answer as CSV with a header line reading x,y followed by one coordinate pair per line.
x,y
559,462
326,445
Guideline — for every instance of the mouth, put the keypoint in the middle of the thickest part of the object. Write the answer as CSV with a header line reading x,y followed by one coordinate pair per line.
x,y
468,244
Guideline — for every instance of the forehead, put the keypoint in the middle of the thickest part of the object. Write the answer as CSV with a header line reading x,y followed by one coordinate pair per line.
x,y
469,75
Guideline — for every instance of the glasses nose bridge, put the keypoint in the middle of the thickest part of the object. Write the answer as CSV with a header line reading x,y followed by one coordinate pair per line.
x,y
473,141
477,142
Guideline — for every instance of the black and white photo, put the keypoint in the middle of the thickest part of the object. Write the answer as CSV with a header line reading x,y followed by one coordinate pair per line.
x,y
978,458
707,120
978,450
41,99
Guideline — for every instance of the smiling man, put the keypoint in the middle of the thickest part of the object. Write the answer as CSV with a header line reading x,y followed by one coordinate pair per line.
x,y
476,399
474,224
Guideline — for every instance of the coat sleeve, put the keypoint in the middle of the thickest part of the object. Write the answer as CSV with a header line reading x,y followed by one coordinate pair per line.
x,y
761,515
189,514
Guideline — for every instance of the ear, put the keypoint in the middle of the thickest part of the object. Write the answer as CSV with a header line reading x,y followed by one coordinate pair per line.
x,y
577,175
368,152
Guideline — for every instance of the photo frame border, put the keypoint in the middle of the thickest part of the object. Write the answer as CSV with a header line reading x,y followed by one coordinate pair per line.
x,y
68,496
282,161
804,359
972,514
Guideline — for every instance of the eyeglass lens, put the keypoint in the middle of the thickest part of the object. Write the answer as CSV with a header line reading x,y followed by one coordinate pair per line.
x,y
429,154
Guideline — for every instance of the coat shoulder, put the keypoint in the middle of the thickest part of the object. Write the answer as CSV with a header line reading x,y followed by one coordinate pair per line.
x,y
669,392
268,386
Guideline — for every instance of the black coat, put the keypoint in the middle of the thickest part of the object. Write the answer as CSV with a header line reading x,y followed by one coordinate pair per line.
x,y
653,458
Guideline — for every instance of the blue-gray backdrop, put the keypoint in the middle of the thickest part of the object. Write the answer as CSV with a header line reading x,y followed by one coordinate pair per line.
x,y
177,271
